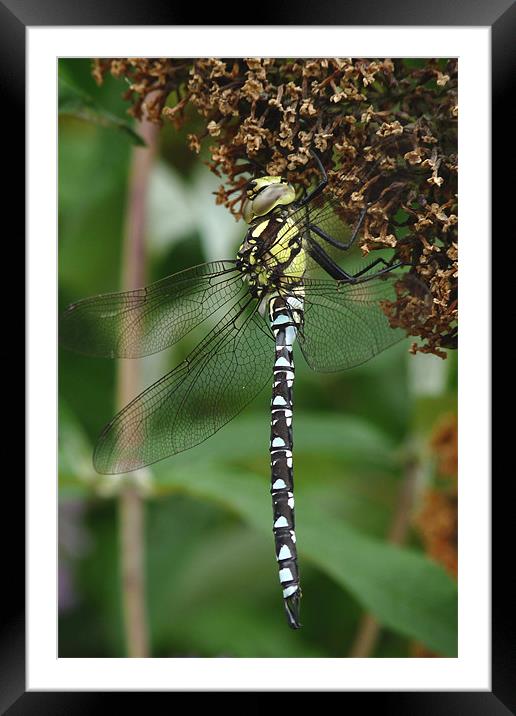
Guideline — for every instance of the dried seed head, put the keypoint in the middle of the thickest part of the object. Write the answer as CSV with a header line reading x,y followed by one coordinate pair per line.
x,y
387,133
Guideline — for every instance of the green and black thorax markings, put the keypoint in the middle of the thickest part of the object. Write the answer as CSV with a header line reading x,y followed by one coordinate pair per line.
x,y
273,246
259,306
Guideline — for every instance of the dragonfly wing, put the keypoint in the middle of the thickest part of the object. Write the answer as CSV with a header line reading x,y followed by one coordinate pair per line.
x,y
137,323
344,324
192,402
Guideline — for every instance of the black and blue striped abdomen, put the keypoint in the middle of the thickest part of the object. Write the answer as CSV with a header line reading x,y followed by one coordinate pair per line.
x,y
286,318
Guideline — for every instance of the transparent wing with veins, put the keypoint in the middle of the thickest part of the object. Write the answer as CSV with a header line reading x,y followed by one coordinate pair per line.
x,y
137,323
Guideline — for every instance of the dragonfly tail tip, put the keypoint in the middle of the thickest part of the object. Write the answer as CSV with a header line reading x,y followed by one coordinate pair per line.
x,y
292,605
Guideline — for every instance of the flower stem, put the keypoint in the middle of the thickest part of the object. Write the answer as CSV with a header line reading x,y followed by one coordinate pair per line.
x,y
369,628
131,506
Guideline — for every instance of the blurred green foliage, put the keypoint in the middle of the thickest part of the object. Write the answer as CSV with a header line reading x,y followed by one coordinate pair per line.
x,y
211,575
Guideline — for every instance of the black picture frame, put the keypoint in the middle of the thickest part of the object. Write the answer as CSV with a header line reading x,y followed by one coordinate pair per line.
x,y
15,17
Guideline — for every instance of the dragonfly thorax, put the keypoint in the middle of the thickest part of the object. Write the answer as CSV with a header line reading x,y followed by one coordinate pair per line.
x,y
272,250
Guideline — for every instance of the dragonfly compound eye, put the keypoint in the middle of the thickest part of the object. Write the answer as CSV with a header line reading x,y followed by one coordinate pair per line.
x,y
265,194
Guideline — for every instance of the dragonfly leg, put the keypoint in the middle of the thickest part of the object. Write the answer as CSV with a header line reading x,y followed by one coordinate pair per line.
x,y
339,274
388,267
327,263
343,245
320,187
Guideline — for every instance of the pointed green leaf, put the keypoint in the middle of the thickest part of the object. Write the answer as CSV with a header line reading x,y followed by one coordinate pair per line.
x,y
402,588
73,101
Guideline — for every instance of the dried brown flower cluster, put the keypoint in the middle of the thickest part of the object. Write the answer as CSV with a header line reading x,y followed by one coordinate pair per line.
x,y
437,519
385,129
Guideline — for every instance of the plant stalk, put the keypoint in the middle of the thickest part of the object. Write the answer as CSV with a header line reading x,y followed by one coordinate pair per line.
x,y
369,628
131,504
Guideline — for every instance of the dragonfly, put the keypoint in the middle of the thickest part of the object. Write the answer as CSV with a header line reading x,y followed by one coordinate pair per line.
x,y
286,285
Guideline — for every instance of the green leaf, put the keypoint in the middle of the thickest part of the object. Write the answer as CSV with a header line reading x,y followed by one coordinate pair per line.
x,y
231,630
75,464
403,589
211,588
350,439
75,102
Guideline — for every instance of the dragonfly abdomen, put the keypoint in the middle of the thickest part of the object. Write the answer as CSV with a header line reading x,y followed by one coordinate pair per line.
x,y
286,317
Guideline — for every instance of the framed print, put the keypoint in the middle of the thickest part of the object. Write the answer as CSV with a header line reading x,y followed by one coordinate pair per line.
x,y
251,219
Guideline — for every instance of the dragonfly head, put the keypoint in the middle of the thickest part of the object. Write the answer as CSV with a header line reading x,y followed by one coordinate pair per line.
x,y
265,194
